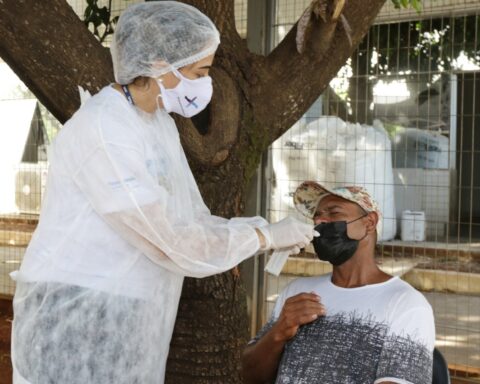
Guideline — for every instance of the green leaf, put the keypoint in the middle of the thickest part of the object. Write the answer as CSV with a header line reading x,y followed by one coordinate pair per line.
x,y
95,17
415,4
104,15
87,13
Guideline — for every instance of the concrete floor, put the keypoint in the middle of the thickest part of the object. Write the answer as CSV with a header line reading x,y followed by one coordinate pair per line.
x,y
457,320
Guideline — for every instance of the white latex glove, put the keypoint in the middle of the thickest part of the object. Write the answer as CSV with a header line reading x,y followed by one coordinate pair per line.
x,y
287,233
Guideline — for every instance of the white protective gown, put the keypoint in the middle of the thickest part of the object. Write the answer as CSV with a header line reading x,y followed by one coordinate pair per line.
x,y
122,223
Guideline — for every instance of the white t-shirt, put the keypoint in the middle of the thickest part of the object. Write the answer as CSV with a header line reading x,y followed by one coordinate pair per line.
x,y
379,332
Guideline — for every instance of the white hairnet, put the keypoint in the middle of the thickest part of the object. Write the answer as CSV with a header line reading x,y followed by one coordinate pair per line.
x,y
152,37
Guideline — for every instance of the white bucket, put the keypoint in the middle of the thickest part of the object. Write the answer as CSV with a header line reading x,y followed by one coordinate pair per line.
x,y
413,226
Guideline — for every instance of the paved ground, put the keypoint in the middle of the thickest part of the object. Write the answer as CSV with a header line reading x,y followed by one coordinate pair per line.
x,y
457,319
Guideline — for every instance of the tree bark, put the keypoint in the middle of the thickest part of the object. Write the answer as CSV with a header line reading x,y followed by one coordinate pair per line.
x,y
255,100
51,50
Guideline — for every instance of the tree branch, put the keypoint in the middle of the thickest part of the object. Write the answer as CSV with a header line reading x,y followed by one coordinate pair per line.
x,y
35,39
292,80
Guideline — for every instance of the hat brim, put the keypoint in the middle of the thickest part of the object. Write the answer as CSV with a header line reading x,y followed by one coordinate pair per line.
x,y
308,195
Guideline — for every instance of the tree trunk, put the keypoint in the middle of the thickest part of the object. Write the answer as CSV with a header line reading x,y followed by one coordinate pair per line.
x,y
210,332
255,100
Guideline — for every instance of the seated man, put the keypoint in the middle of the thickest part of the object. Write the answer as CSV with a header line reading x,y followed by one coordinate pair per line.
x,y
354,325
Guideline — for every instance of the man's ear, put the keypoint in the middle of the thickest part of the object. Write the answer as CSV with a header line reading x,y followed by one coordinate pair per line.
x,y
372,221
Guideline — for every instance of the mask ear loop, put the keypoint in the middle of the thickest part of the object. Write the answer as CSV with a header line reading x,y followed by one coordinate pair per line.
x,y
160,86
166,104
366,234
177,74
358,218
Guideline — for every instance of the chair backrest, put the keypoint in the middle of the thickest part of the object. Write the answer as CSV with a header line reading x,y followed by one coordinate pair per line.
x,y
440,369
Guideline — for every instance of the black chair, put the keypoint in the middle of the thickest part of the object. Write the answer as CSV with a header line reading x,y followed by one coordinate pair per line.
x,y
440,369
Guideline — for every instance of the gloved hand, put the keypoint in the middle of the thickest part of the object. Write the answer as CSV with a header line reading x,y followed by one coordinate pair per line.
x,y
287,233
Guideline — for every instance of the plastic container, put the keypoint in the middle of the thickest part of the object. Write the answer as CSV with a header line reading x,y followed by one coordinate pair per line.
x,y
413,226
419,148
335,153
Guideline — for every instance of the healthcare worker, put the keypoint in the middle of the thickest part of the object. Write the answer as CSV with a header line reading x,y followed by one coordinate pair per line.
x,y
123,221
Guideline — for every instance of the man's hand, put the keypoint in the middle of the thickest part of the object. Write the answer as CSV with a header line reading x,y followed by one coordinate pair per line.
x,y
260,360
298,310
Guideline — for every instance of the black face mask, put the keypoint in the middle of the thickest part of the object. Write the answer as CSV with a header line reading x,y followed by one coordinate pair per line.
x,y
333,244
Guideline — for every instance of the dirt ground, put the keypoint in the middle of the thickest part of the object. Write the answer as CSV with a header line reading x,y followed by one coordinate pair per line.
x,y
6,317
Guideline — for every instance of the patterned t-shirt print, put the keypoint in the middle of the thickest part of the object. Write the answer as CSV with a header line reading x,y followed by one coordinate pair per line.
x,y
371,334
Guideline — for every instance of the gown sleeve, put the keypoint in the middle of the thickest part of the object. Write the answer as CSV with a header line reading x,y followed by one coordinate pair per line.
x,y
172,227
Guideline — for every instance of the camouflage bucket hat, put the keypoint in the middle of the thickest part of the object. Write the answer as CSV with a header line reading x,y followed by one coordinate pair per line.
x,y
309,193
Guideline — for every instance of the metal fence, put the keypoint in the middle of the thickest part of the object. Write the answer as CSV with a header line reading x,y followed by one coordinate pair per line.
x,y
400,119
27,129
